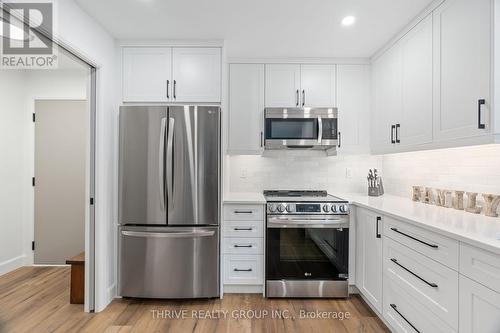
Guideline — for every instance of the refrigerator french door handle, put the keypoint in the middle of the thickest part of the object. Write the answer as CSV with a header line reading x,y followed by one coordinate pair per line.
x,y
170,139
320,130
161,162
175,234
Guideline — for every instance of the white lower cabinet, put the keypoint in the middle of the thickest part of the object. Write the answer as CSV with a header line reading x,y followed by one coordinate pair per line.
x,y
369,256
243,248
479,308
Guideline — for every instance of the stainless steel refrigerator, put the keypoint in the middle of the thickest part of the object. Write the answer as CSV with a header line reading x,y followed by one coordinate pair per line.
x,y
169,195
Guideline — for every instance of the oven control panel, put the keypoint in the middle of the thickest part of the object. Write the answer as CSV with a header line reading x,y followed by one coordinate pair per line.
x,y
323,208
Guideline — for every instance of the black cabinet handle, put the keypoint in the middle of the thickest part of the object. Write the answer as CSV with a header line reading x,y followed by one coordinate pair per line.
x,y
297,98
243,212
243,229
393,127
433,285
236,245
261,139
168,88
398,126
395,308
175,89
434,246
242,270
303,97
340,139
378,222
480,125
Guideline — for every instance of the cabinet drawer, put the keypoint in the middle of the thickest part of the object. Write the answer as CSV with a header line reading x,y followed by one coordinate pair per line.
x,y
430,283
433,245
405,314
243,269
481,266
244,245
244,212
243,229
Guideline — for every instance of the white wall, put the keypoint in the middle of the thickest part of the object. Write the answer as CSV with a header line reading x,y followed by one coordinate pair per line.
x,y
13,181
300,170
475,169
88,39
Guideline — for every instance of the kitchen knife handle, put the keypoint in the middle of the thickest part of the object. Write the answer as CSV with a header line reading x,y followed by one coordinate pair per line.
x,y
480,125
393,127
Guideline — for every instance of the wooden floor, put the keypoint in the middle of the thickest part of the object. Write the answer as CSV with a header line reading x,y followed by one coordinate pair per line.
x,y
36,299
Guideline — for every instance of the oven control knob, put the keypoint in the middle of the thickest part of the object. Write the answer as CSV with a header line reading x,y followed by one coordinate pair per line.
x,y
343,208
272,208
281,208
289,208
326,208
334,208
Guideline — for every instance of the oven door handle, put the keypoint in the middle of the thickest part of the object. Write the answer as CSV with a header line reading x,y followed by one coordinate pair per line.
x,y
276,222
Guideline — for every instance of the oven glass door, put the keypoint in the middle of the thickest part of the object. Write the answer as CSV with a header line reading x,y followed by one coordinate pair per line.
x,y
307,253
291,129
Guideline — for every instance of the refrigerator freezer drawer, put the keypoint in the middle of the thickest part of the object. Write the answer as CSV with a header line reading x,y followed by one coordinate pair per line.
x,y
169,262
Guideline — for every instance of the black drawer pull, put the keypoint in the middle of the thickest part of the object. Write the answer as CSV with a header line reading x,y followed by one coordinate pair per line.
x,y
433,285
480,124
399,313
243,229
243,212
242,270
378,222
434,246
236,245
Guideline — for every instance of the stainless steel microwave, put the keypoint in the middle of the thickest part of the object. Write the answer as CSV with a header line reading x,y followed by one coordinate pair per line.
x,y
301,128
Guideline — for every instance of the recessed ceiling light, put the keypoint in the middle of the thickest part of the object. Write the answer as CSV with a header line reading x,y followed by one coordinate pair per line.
x,y
348,20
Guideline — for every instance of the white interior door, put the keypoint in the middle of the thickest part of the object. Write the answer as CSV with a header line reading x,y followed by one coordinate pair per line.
x,y
196,74
282,85
317,83
61,139
147,74
462,68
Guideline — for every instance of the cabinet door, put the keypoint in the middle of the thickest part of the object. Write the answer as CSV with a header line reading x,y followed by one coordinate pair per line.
x,y
462,69
416,82
386,98
145,74
353,94
197,74
369,256
282,85
317,83
479,308
246,108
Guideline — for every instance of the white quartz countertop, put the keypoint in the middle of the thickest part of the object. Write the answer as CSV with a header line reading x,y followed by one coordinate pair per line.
x,y
244,198
478,230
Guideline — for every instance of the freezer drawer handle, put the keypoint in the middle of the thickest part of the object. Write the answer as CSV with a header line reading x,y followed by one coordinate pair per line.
x,y
236,245
242,270
433,285
243,211
177,234
243,229
395,308
434,246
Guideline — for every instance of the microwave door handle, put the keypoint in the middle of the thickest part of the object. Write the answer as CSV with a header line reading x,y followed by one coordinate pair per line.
x,y
320,130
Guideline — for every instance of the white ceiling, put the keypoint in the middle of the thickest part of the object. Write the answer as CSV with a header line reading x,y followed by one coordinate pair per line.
x,y
261,28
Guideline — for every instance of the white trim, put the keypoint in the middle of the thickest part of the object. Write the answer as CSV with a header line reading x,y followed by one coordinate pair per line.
x,y
243,289
326,61
12,264
170,43
111,292
427,11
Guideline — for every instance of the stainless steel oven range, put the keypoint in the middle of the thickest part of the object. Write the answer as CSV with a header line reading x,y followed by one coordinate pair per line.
x,y
307,244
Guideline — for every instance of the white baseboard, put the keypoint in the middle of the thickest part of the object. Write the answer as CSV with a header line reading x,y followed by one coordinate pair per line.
x,y
12,264
243,289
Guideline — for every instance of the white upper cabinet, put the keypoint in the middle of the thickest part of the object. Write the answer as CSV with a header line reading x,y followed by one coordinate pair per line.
x,y
196,74
317,84
386,83
146,74
353,94
160,74
462,68
282,85
246,108
415,125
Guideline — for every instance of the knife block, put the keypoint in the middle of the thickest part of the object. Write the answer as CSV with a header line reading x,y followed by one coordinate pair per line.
x,y
376,191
